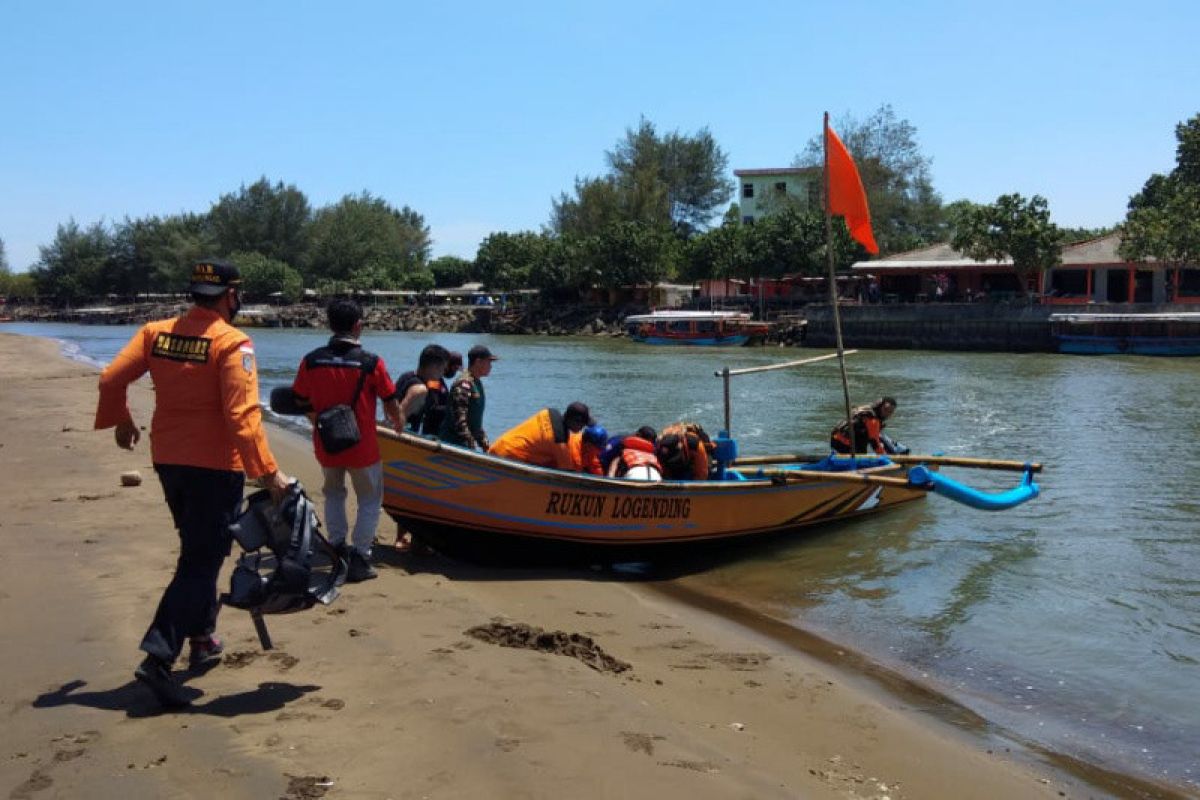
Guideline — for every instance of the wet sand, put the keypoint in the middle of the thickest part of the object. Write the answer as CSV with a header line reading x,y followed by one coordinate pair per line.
x,y
401,688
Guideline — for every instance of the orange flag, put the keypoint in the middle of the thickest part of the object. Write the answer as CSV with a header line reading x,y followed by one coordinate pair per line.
x,y
846,195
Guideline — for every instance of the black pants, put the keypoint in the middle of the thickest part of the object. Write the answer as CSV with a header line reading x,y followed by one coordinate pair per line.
x,y
203,502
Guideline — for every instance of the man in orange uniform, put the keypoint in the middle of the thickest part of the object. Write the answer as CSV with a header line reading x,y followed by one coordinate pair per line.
x,y
869,422
545,438
206,437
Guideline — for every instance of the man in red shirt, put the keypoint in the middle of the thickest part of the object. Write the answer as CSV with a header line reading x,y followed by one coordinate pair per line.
x,y
342,372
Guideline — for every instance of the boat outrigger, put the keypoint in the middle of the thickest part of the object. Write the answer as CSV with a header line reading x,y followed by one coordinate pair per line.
x,y
728,328
480,506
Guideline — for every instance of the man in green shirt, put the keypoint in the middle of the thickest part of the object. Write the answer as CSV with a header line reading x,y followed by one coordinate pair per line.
x,y
463,423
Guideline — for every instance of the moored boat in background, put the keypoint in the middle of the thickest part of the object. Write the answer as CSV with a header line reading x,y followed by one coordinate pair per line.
x,y
727,328
1150,334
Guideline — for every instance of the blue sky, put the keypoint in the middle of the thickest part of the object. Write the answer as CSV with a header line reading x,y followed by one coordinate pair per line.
x,y
477,114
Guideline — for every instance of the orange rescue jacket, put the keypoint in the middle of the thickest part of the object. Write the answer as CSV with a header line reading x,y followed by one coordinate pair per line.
x,y
206,411
542,440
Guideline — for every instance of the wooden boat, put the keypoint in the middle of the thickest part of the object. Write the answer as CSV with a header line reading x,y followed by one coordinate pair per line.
x,y
728,328
468,503
1151,334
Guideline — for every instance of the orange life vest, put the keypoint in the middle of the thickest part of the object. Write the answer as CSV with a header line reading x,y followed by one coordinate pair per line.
x,y
683,451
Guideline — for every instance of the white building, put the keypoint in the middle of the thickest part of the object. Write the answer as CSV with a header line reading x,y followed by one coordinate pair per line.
x,y
761,191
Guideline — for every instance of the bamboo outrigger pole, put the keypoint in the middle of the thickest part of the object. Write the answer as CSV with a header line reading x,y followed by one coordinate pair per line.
x,y
833,300
948,461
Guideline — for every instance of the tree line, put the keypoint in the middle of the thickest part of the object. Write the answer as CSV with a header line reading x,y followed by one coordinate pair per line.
x,y
662,210
280,243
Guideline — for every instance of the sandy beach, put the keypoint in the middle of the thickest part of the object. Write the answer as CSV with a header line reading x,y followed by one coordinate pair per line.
x,y
384,694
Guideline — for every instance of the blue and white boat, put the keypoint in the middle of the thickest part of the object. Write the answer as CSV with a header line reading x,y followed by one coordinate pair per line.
x,y
1149,334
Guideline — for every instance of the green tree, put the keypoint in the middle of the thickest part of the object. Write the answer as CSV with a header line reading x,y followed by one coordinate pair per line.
x,y
633,253
19,285
788,242
597,203
365,241
673,180
263,277
722,252
154,254
451,271
420,280
505,260
1163,221
75,266
263,218
906,211
3,260
1011,228
1071,235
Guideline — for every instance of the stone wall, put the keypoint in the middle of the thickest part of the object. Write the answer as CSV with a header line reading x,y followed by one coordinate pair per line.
x,y
936,326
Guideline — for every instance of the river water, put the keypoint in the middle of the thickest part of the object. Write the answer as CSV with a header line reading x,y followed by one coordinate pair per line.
x,y
1073,621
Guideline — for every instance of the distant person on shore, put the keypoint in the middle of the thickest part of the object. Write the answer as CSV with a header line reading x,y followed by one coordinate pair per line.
x,y
342,372
869,422
545,439
423,392
206,438
463,423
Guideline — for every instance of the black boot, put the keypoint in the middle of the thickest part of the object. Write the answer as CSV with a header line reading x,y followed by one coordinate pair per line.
x,y
156,674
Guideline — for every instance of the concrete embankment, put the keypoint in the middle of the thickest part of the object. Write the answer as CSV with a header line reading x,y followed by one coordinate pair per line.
x,y
943,326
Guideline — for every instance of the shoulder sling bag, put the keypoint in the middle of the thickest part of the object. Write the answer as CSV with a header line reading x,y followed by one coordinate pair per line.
x,y
337,425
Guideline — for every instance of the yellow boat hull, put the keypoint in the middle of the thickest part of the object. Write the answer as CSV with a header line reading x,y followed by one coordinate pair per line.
x,y
471,503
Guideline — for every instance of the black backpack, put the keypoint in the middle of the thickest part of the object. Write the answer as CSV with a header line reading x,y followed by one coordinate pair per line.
x,y
278,573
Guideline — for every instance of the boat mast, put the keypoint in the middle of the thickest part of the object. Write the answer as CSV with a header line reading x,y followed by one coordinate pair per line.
x,y
833,300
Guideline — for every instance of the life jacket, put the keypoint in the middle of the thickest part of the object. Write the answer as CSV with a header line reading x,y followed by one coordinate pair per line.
x,y
683,451
868,427
436,401
636,452
283,579
429,419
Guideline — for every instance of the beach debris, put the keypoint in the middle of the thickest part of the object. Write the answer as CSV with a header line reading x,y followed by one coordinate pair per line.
x,y
240,658
641,742
737,726
131,478
304,787
575,645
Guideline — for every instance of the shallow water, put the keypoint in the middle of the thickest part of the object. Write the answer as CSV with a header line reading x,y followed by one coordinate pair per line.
x,y
1073,620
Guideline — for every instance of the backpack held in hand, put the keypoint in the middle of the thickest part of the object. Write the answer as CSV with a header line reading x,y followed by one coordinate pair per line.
x,y
289,539
337,425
